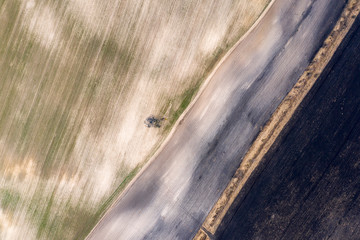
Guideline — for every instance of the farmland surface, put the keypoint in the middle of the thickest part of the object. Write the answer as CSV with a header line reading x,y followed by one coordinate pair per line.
x,y
175,193
78,78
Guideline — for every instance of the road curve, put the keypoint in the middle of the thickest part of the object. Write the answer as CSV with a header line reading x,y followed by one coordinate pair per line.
x,y
172,197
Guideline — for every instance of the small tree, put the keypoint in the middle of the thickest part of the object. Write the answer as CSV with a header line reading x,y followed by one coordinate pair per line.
x,y
153,121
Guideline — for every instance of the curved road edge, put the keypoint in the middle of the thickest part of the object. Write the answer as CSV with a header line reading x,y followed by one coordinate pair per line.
x,y
281,117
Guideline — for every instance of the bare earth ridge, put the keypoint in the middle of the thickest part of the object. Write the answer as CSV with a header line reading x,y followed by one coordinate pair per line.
x,y
281,117
307,186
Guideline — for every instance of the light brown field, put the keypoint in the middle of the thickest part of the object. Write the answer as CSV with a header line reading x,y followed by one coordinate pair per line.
x,y
78,78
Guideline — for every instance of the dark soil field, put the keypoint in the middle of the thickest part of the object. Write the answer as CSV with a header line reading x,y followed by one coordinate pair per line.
x,y
309,184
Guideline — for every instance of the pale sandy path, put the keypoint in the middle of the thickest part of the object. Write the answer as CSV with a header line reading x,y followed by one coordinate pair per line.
x,y
174,194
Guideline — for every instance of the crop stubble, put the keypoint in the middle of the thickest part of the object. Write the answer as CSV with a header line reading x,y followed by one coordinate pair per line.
x,y
77,80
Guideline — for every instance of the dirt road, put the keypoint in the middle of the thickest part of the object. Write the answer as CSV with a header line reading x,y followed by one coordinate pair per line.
x,y
177,190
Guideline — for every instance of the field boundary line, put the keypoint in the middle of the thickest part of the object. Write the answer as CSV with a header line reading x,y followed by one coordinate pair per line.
x,y
279,119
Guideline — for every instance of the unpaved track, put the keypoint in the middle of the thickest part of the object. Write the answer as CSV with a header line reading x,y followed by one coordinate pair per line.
x,y
172,197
